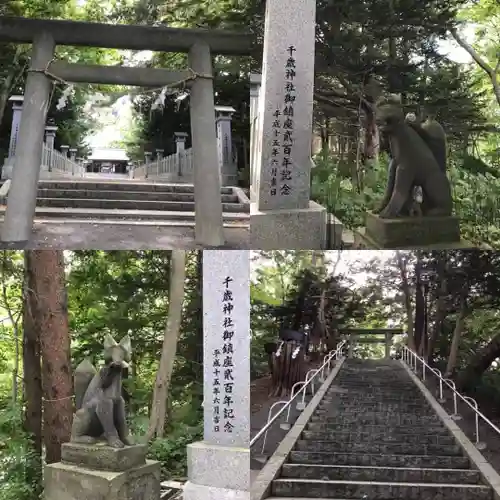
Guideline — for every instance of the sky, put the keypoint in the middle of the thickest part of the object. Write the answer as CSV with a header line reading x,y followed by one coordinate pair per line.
x,y
116,119
347,259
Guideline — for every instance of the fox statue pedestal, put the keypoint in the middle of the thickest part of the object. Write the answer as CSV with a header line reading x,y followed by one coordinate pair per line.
x,y
100,472
101,462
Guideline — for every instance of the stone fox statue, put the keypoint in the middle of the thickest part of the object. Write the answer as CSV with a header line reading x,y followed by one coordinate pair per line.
x,y
414,164
100,407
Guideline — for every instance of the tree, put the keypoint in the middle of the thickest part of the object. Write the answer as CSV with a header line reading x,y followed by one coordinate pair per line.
x,y
486,15
51,321
32,376
169,349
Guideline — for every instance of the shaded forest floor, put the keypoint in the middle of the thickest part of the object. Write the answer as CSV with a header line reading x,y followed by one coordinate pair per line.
x,y
260,403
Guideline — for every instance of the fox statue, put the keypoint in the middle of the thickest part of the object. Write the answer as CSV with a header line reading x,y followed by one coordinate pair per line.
x,y
100,407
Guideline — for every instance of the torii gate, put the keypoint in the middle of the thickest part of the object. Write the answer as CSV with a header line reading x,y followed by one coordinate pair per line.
x,y
356,335
44,35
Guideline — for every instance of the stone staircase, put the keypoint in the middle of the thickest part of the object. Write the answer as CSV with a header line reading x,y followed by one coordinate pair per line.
x,y
129,200
374,436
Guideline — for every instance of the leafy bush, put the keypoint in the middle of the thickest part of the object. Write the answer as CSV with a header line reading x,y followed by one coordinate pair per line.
x,y
475,187
15,457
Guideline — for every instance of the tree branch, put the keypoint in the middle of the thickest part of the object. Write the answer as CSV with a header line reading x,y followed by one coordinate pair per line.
x,y
472,52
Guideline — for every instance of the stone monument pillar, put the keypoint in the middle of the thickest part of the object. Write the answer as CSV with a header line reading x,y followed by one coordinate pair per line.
x,y
282,215
17,108
228,168
209,230
72,154
147,156
255,81
180,141
219,466
50,135
64,149
159,154
21,201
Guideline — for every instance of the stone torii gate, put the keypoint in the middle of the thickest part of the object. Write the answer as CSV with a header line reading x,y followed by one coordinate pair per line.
x,y
359,335
45,35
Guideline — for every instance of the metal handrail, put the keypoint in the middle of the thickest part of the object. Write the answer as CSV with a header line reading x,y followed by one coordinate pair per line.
x,y
472,403
304,387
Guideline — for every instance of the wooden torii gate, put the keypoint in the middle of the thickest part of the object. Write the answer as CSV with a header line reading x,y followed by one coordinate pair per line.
x,y
383,335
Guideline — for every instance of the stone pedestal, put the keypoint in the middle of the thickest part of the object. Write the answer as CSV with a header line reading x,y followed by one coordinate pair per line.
x,y
50,135
291,229
17,109
410,232
180,141
228,168
217,472
97,472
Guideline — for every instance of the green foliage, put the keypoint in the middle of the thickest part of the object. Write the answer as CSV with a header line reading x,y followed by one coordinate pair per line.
x,y
15,455
475,188
118,293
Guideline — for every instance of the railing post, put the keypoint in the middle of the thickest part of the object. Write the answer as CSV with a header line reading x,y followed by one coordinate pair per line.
x,y
147,156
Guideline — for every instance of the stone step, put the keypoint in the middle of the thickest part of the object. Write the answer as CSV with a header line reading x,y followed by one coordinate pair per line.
x,y
379,385
402,430
172,206
366,437
368,388
121,185
380,474
385,448
374,418
310,488
76,194
44,213
391,397
379,460
379,408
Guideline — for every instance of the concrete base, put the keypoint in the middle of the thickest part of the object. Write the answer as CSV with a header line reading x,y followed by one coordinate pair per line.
x,y
193,491
302,229
216,466
72,482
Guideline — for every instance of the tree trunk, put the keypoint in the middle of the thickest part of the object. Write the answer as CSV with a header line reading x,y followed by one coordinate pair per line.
x,y
287,369
162,384
407,299
32,379
480,362
492,72
440,307
419,330
52,321
457,334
